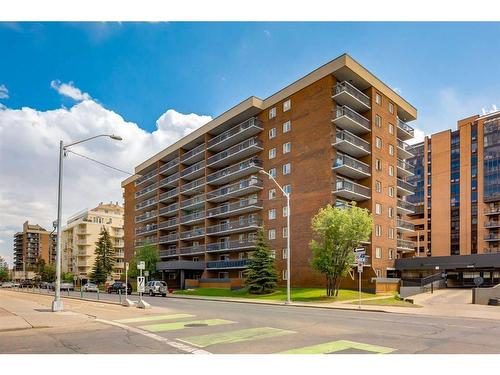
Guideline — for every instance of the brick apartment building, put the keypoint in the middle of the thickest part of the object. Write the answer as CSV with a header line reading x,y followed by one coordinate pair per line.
x,y
457,198
334,136
32,244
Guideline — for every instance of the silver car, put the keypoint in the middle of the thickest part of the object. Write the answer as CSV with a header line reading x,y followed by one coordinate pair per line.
x,y
7,284
89,287
156,287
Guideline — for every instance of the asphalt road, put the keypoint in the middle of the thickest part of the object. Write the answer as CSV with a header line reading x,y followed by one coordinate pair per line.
x,y
228,327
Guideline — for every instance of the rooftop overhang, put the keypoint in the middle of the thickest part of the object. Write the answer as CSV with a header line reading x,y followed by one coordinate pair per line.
x,y
449,263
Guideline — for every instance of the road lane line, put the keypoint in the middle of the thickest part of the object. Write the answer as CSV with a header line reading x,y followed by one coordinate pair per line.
x,y
235,336
335,346
162,327
154,317
177,345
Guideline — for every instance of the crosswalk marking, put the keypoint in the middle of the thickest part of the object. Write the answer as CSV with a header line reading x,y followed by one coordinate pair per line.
x,y
336,346
154,317
182,325
235,336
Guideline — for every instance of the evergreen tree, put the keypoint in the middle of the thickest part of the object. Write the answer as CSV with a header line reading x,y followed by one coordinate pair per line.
x,y
105,257
260,275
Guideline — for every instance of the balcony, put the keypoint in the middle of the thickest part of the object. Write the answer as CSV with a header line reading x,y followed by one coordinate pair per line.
x,y
351,121
148,191
194,155
194,203
405,188
242,150
236,134
169,238
404,150
489,250
403,225
243,187
231,245
195,217
145,230
236,208
493,210
492,224
169,210
167,253
195,171
351,144
169,196
235,171
146,216
492,237
169,167
146,177
236,226
194,187
195,249
168,224
227,264
405,207
405,246
145,204
405,131
346,94
193,233
170,181
351,167
351,191
145,241
404,169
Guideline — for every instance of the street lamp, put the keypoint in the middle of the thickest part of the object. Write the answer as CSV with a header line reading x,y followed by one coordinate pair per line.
x,y
57,304
288,213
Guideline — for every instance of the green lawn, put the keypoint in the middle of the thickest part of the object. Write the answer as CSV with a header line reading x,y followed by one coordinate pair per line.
x,y
298,294
389,301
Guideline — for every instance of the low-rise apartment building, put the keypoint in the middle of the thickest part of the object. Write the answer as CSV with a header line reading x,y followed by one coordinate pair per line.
x,y
335,136
81,233
32,244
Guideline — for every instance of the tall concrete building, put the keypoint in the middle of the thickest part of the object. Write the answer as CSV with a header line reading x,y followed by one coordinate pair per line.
x,y
335,136
32,244
457,195
81,233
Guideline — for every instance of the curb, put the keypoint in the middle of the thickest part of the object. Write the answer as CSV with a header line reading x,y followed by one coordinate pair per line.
x,y
71,297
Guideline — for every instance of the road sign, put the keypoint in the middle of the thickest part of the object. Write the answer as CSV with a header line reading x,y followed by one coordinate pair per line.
x,y
140,284
360,250
146,273
141,265
126,266
360,257
360,267
478,280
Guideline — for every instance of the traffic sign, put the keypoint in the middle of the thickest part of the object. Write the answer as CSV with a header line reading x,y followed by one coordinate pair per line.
x,y
126,266
140,284
360,267
146,273
141,265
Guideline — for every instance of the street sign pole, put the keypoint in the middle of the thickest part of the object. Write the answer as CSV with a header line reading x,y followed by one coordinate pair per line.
x,y
140,286
360,271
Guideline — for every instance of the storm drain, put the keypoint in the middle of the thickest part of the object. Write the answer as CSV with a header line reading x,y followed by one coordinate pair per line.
x,y
195,325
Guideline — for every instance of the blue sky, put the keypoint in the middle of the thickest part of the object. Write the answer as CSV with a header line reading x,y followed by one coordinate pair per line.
x,y
140,70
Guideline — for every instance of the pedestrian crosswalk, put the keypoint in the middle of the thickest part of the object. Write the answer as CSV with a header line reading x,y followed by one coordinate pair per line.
x,y
226,336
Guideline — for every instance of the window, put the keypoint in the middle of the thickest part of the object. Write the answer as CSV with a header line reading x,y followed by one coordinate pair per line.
x,y
378,252
285,211
287,126
391,150
378,98
378,230
378,186
378,164
272,193
272,113
287,188
391,191
391,253
287,168
391,129
285,275
390,232
390,212
272,133
272,153
378,208
271,214
284,253
287,104
285,232
378,272
271,234
391,107
272,254
240,275
378,142
196,259
272,172
391,170
378,121
287,147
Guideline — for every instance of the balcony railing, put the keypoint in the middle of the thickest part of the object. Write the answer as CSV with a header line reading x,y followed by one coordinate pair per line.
x,y
240,263
192,249
405,205
233,189
169,194
494,210
168,223
167,166
351,120
146,216
406,128
236,131
146,229
351,190
491,250
234,170
346,87
492,237
170,180
406,166
169,238
404,244
351,167
146,203
145,241
191,153
169,209
145,177
195,201
492,224
193,185
351,144
250,146
234,226
406,148
147,190
405,185
192,217
193,233
198,167
231,245
405,225
232,208
167,253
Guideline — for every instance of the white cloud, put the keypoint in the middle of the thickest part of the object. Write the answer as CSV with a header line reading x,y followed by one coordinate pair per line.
x,y
29,141
419,136
69,90
4,92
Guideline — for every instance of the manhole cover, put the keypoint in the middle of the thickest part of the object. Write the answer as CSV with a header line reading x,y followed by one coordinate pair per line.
x,y
195,325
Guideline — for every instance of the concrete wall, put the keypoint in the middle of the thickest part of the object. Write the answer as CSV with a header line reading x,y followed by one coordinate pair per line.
x,y
481,296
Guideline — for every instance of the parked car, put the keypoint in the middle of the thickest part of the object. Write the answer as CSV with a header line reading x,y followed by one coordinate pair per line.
x,y
156,287
119,286
15,284
7,284
43,285
67,286
51,286
26,284
89,287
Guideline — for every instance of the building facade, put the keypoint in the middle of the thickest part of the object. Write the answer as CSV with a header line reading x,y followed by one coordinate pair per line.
x,y
81,233
34,243
335,136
